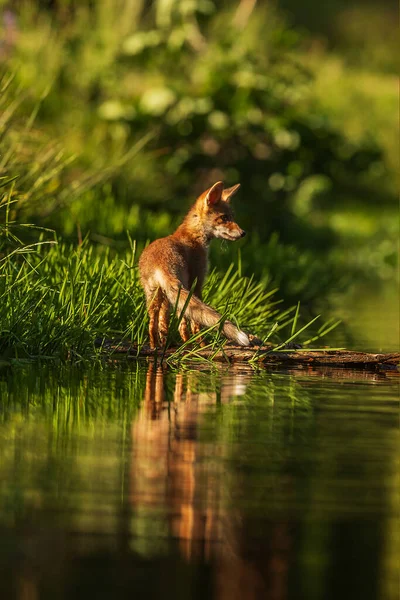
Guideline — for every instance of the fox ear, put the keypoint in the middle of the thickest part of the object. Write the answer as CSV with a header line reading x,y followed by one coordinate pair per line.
x,y
229,192
214,194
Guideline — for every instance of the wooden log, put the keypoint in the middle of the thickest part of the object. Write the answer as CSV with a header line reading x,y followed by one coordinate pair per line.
x,y
265,355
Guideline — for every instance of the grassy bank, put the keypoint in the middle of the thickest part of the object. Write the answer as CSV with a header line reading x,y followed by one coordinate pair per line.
x,y
60,301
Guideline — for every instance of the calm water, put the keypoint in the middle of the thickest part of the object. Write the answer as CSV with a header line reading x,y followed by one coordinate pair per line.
x,y
370,319
131,482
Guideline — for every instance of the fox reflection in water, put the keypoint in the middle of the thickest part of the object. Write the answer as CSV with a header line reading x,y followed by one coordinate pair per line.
x,y
172,469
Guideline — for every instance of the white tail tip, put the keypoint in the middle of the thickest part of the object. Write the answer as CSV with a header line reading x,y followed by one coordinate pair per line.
x,y
242,339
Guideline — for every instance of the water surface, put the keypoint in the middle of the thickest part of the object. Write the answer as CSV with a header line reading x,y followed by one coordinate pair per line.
x,y
136,482
370,318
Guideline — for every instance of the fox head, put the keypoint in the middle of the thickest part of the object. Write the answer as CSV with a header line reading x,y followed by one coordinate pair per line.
x,y
216,213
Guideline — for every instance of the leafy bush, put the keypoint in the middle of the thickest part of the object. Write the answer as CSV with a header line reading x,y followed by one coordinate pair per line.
x,y
223,101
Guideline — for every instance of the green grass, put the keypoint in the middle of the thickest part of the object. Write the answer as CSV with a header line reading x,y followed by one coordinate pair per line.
x,y
56,301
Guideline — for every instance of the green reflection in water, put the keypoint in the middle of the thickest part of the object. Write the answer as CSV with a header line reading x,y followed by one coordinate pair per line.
x,y
197,484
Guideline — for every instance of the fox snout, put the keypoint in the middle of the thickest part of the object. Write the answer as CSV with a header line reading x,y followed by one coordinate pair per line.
x,y
238,233
227,229
235,232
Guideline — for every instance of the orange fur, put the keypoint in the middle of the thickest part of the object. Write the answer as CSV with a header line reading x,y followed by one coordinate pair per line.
x,y
169,267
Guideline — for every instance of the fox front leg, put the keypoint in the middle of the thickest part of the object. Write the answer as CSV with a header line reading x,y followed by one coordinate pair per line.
x,y
196,328
183,330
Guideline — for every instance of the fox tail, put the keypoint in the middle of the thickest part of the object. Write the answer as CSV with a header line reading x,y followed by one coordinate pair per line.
x,y
199,312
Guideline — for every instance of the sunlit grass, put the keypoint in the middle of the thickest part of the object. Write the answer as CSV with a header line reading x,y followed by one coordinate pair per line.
x,y
56,301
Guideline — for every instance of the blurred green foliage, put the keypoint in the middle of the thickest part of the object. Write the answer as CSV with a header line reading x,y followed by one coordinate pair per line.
x,y
223,94
364,31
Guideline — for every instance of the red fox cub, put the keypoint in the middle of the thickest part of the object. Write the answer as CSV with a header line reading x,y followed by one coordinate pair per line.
x,y
169,266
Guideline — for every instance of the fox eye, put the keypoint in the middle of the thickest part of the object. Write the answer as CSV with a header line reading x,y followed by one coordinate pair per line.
x,y
224,218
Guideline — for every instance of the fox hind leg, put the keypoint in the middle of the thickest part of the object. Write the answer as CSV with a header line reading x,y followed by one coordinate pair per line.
x,y
163,320
155,300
